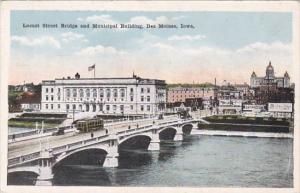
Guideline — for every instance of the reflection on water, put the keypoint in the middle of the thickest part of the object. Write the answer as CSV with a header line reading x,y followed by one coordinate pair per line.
x,y
204,161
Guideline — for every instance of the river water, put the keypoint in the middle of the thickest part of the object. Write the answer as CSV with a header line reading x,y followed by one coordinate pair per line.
x,y
200,161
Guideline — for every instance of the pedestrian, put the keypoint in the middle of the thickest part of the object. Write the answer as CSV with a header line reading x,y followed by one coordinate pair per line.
x,y
92,135
106,131
13,137
128,127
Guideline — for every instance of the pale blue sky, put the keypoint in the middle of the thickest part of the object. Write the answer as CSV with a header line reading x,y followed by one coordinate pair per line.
x,y
218,37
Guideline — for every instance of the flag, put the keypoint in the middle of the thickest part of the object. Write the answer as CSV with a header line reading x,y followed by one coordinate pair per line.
x,y
91,67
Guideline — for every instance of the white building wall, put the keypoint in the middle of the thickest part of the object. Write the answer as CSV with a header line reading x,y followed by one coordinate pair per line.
x,y
137,98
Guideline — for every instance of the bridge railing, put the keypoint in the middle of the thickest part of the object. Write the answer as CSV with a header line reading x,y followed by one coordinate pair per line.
x,y
35,132
23,158
55,150
71,146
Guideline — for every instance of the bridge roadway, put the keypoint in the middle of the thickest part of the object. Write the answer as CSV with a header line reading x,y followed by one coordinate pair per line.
x,y
34,145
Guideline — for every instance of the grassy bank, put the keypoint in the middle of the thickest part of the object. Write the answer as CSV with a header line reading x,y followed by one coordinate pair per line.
x,y
26,124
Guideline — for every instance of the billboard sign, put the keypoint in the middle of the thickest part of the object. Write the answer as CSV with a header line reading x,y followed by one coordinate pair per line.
x,y
280,107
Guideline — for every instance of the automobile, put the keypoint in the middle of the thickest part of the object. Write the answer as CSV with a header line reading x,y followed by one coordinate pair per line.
x,y
60,131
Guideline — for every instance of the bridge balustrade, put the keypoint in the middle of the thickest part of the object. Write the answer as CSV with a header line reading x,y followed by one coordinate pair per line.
x,y
63,148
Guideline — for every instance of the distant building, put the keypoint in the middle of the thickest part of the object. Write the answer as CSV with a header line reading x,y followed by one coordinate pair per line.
x,y
30,101
180,94
121,96
270,79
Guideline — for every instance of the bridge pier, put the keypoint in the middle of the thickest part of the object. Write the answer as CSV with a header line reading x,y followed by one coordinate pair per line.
x,y
45,170
178,136
155,142
111,159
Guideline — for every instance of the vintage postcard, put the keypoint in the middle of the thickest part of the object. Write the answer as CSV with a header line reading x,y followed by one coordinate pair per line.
x,y
118,96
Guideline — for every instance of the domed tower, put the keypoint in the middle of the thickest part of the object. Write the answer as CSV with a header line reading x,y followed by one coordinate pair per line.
x,y
286,80
270,71
253,80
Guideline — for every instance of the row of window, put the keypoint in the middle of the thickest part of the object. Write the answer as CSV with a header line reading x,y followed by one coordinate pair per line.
x,y
143,98
88,92
94,107
196,91
94,91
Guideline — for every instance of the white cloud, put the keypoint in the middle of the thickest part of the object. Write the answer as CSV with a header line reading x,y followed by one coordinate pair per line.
x,y
107,19
41,41
178,17
71,36
259,46
96,50
101,19
186,37
146,20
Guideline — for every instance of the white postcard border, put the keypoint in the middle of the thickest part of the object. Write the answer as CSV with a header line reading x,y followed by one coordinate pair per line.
x,y
236,6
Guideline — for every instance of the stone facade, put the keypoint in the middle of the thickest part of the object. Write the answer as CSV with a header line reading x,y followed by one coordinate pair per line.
x,y
270,79
121,96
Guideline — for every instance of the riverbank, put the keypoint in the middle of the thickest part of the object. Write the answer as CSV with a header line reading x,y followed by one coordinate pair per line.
x,y
247,124
241,134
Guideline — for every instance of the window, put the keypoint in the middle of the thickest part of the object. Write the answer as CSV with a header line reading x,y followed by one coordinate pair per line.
x,y
122,91
148,90
74,92
58,106
67,106
142,107
131,90
81,94
131,98
131,107
94,93
46,90
115,93
107,107
51,106
122,108
47,98
52,90
142,90
58,98
52,97
101,93
142,98
74,107
58,90
100,107
148,108
68,92
114,107
46,106
88,94
148,98
108,93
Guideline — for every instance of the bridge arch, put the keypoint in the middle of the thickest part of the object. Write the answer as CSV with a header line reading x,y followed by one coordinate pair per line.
x,y
89,150
167,133
187,128
135,141
29,169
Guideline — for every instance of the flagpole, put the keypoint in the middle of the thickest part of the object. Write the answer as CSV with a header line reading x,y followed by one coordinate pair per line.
x,y
95,71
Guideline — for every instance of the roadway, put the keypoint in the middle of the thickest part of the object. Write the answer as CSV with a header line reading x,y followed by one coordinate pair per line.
x,y
34,145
